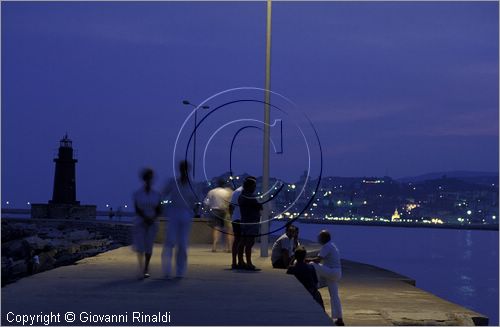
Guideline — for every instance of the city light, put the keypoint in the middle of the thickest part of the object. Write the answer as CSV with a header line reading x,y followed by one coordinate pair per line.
x,y
411,206
378,181
469,212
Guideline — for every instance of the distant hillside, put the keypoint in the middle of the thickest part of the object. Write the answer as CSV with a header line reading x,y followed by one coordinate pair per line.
x,y
466,176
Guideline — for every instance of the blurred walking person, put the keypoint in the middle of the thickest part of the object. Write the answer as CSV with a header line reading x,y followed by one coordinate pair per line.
x,y
217,202
180,213
147,204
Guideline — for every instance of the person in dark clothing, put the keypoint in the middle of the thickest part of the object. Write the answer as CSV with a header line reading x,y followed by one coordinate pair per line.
x,y
250,219
306,275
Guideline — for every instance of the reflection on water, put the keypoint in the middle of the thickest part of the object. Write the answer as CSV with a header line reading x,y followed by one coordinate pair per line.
x,y
460,266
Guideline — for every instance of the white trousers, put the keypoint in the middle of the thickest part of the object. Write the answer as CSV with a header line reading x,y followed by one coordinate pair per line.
x,y
177,235
332,276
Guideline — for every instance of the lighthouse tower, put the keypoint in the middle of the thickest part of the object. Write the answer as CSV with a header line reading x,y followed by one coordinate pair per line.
x,y
63,204
65,177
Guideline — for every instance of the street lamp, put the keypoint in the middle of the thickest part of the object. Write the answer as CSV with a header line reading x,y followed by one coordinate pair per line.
x,y
186,102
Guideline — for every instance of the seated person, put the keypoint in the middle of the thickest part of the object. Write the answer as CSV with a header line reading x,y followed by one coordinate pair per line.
x,y
281,255
306,274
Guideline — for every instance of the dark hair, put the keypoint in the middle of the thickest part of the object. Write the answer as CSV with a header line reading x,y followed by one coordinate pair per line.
x,y
300,253
221,182
291,227
249,183
324,236
147,174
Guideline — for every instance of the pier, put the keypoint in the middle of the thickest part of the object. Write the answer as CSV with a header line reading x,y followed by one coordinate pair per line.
x,y
213,294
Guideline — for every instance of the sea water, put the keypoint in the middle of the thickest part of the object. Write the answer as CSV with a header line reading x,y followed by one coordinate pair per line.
x,y
460,266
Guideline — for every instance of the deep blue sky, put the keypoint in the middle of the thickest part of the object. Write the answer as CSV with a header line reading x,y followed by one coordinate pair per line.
x,y
392,88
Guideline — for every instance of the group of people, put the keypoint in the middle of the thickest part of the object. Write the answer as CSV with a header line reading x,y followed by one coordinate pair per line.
x,y
236,213
287,253
147,203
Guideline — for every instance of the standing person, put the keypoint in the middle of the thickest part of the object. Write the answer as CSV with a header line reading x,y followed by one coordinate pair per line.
x,y
282,250
250,210
217,202
234,210
180,215
328,266
147,204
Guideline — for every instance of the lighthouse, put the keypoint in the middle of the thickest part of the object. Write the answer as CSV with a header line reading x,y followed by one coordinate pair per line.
x,y
64,204
65,176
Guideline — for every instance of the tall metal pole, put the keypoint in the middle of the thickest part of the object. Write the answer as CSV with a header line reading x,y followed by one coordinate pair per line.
x,y
194,142
187,103
264,239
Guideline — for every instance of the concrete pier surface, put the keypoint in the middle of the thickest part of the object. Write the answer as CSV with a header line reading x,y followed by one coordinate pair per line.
x,y
105,288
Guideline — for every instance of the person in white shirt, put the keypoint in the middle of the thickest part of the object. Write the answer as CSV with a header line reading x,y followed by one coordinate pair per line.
x,y
328,266
147,204
217,202
283,249
180,213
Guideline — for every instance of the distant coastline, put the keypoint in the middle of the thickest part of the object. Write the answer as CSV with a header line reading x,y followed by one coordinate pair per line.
x,y
24,214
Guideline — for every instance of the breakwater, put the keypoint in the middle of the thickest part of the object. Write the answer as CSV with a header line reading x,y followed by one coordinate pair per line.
x,y
30,246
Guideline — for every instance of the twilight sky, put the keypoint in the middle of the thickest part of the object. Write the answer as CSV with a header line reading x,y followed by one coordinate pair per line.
x,y
392,88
